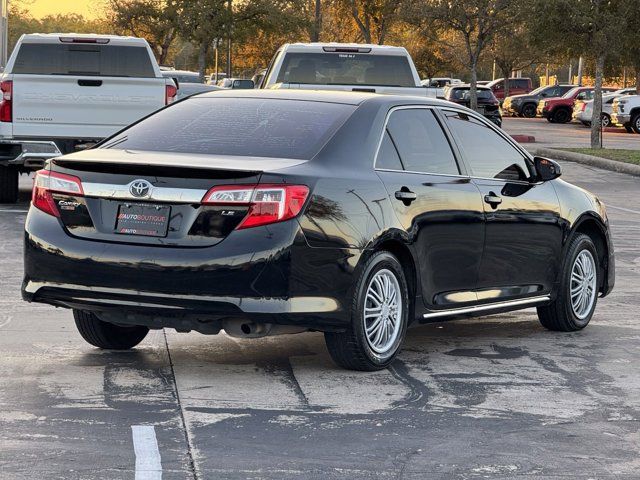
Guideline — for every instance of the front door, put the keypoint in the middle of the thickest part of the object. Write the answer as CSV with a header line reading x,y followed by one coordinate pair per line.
x,y
523,240
439,207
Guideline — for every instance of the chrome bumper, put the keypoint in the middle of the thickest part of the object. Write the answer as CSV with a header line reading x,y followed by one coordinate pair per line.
x,y
33,153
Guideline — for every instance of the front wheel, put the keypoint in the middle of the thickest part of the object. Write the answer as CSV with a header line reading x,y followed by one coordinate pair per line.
x,y
635,123
108,335
529,110
578,292
379,317
561,116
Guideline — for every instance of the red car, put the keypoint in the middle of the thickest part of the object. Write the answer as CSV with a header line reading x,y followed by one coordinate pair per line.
x,y
560,109
517,86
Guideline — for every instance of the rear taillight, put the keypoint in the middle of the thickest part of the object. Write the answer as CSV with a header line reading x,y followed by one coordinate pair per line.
x,y
584,107
46,182
170,94
7,101
267,203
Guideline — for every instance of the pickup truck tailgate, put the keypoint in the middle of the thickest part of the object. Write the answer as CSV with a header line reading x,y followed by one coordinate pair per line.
x,y
81,107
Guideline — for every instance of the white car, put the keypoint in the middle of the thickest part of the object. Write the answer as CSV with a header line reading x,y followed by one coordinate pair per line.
x,y
583,110
626,112
63,91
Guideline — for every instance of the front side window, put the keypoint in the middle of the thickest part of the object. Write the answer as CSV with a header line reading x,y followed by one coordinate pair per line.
x,y
421,143
488,155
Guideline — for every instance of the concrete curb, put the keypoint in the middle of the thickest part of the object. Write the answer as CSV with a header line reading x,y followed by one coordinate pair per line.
x,y
604,163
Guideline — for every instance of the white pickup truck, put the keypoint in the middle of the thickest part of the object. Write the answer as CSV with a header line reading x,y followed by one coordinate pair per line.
x,y
64,92
626,113
345,66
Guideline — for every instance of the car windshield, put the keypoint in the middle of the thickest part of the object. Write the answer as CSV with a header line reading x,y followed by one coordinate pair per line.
x,y
464,94
258,127
346,69
571,93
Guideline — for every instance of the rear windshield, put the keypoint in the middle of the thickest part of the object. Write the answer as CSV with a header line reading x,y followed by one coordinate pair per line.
x,y
346,69
465,94
83,59
237,126
183,77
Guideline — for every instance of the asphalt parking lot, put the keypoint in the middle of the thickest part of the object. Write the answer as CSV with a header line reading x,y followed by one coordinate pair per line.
x,y
495,397
566,135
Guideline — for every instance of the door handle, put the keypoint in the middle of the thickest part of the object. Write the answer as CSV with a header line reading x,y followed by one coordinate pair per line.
x,y
405,195
493,199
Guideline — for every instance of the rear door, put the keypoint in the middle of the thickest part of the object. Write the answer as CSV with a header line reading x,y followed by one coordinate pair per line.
x,y
82,90
522,249
435,202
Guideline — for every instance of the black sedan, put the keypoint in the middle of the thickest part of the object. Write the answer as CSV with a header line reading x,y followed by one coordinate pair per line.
x,y
488,104
353,214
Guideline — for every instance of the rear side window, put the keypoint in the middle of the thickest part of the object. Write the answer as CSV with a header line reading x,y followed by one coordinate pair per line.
x,y
346,69
83,59
237,126
388,156
421,143
486,152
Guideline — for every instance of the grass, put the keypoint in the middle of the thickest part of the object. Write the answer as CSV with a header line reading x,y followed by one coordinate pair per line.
x,y
620,155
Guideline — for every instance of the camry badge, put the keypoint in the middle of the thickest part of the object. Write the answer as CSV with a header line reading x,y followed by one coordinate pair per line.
x,y
140,188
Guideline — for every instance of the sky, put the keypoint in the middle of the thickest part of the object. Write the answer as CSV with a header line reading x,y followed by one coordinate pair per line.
x,y
40,8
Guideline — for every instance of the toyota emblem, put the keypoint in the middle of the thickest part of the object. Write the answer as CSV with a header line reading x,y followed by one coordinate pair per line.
x,y
140,188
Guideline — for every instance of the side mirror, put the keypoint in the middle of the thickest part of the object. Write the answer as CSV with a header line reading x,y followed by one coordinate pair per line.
x,y
175,80
546,169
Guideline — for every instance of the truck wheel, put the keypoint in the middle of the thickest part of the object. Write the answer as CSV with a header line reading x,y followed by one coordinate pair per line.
x,y
8,184
605,120
628,128
379,317
529,110
108,335
635,123
561,115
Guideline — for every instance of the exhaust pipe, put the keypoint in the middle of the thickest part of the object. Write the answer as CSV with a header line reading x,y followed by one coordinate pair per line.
x,y
245,329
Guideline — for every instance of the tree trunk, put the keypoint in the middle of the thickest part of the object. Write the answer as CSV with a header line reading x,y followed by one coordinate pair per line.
x,y
506,73
473,91
638,79
317,23
202,60
596,120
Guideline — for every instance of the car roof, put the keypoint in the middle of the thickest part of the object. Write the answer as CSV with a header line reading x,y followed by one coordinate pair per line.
x,y
328,96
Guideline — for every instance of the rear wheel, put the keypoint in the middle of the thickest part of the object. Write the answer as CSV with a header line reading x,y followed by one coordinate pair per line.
x,y
379,317
529,110
578,294
8,184
562,115
108,335
628,128
635,123
605,120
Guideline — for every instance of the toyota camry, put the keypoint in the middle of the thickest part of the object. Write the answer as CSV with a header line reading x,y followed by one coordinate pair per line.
x,y
353,214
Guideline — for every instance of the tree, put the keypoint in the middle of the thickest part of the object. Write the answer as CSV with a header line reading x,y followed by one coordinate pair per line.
x,y
373,18
512,51
153,20
475,22
590,28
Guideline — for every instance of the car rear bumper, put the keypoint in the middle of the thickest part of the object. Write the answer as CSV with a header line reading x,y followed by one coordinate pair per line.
x,y
28,154
279,280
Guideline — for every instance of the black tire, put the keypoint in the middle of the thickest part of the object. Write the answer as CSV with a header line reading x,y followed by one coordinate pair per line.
x,y
351,349
586,124
8,184
561,115
628,128
635,123
529,110
108,335
550,119
605,120
559,315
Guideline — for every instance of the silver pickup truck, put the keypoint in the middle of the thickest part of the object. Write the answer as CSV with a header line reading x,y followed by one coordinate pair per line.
x,y
345,66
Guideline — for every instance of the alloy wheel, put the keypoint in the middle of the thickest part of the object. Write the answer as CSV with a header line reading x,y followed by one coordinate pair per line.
x,y
606,120
529,110
383,311
582,287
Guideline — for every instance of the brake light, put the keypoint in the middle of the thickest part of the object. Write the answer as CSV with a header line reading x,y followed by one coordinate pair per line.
x,y
267,203
170,94
584,107
7,100
46,182
101,41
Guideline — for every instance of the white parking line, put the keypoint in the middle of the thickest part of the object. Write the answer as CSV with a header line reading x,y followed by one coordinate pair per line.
x,y
623,209
12,210
145,445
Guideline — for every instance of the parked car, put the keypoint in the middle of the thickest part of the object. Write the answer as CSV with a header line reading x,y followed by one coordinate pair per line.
x,y
236,83
188,83
345,66
440,82
66,91
526,105
353,214
488,104
560,109
626,112
517,86
483,82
